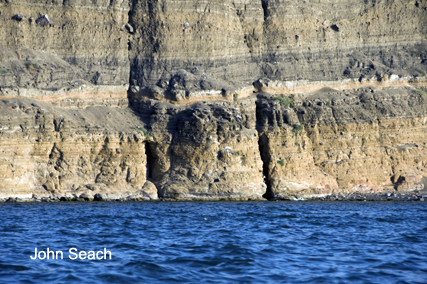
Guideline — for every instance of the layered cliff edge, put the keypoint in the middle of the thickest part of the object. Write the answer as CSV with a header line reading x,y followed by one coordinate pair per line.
x,y
212,99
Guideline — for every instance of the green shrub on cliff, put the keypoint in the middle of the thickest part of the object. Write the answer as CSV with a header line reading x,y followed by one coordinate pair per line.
x,y
146,133
420,93
236,96
284,101
422,72
380,137
281,162
32,67
297,128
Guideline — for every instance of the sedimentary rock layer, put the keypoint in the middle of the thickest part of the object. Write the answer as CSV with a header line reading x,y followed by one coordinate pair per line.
x,y
155,98
191,50
332,141
46,150
208,150
83,49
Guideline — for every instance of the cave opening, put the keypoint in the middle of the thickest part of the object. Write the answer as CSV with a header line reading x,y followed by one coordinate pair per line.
x,y
150,160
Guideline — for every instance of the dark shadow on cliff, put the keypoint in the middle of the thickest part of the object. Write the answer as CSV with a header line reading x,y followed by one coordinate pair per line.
x,y
263,150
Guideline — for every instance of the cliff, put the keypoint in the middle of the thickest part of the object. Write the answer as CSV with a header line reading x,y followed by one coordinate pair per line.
x,y
212,99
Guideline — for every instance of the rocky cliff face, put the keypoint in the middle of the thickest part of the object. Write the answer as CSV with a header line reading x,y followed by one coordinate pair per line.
x,y
81,51
208,150
47,150
224,45
212,99
340,142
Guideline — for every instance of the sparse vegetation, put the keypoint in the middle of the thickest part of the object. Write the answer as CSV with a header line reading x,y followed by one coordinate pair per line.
x,y
297,128
32,67
363,141
284,101
421,94
236,96
243,158
422,72
6,101
402,148
416,53
237,153
297,144
281,162
3,71
146,133
380,137
232,122
329,104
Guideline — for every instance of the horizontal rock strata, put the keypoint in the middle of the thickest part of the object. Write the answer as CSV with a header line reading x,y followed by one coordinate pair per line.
x,y
187,51
334,141
45,150
120,99
330,142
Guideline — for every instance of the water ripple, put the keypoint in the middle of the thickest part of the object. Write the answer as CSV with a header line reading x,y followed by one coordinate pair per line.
x,y
217,242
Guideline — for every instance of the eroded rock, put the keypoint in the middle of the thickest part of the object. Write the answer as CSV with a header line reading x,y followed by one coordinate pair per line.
x,y
43,21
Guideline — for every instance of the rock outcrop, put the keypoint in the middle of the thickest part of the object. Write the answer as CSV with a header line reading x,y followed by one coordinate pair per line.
x,y
215,99
46,150
339,142
64,50
208,150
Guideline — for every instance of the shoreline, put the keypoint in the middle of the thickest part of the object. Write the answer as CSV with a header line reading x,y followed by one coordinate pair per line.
x,y
352,197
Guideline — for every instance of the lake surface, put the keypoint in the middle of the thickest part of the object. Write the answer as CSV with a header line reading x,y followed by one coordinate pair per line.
x,y
216,242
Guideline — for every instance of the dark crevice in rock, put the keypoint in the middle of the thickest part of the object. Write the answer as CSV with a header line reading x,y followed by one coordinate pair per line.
x,y
263,149
150,160
264,153
264,4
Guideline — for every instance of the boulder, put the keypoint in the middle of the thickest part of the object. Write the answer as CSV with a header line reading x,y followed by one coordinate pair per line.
x,y
18,17
43,21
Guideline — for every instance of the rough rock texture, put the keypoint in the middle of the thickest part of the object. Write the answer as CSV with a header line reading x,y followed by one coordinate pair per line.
x,y
334,141
85,44
300,42
209,150
191,50
110,99
46,150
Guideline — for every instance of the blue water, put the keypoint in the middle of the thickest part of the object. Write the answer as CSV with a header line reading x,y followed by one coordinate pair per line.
x,y
217,242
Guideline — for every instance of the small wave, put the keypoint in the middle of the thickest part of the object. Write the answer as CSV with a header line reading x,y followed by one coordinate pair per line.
x,y
257,242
